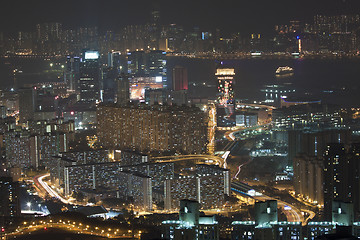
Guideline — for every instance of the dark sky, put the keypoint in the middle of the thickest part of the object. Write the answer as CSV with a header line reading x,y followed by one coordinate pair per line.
x,y
229,15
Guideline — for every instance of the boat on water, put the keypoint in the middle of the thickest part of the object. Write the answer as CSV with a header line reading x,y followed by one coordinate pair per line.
x,y
284,70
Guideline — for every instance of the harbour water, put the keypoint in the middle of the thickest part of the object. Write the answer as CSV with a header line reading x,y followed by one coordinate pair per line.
x,y
335,81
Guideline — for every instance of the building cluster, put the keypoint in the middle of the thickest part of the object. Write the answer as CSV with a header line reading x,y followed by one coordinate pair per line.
x,y
208,185
324,34
158,128
322,152
331,176
193,224
133,176
33,148
267,226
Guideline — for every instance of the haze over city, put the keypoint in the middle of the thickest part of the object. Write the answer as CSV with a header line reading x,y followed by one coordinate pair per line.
x,y
180,119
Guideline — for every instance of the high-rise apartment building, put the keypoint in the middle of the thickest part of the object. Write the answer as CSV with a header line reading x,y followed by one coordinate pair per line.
x,y
337,185
152,128
208,185
9,200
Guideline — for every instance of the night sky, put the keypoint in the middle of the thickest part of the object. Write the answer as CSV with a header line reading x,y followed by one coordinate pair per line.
x,y
228,15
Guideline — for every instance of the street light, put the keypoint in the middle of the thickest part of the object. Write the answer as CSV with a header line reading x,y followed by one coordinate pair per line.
x,y
29,205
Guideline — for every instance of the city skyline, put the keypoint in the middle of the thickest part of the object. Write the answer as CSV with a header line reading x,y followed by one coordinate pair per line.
x,y
229,16
226,120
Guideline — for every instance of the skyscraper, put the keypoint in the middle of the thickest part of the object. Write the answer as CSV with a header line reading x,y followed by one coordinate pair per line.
x,y
26,104
9,199
179,78
336,177
90,77
123,89
72,73
225,79
157,66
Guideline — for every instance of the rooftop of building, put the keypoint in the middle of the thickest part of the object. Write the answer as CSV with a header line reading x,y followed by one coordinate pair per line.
x,y
164,107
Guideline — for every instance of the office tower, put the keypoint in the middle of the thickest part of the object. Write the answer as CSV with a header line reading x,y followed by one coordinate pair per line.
x,y
113,59
27,98
152,128
9,200
146,70
90,77
109,85
137,64
123,89
155,30
225,79
157,66
118,61
190,224
179,78
72,73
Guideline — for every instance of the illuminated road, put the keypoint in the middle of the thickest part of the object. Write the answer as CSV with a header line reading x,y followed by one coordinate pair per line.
x,y
204,158
311,215
71,226
292,213
45,187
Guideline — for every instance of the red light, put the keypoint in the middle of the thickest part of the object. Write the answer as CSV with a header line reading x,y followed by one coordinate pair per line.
x,y
45,228
3,229
72,113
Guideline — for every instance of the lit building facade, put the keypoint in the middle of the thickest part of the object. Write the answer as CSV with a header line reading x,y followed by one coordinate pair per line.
x,y
101,176
90,77
152,128
225,81
208,185
190,224
179,78
9,200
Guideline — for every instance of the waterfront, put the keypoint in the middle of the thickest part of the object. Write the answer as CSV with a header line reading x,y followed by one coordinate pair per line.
x,y
334,81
